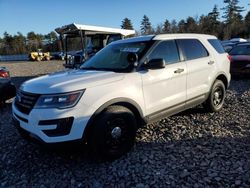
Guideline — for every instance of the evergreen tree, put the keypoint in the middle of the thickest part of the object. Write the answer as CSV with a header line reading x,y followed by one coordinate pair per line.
x,y
214,23
191,25
159,29
8,42
126,24
19,44
146,27
174,27
204,25
182,26
214,15
51,37
247,25
232,11
51,42
166,27
233,19
34,41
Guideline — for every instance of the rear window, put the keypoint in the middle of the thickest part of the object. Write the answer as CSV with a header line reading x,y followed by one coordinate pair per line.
x,y
192,48
217,45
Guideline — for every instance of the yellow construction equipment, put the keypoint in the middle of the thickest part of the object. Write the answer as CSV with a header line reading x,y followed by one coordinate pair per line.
x,y
39,56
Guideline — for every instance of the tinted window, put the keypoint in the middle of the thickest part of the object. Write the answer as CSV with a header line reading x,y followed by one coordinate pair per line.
x,y
217,45
192,48
166,50
240,50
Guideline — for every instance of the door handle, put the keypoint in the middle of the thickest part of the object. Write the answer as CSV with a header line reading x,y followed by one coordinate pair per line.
x,y
211,62
178,71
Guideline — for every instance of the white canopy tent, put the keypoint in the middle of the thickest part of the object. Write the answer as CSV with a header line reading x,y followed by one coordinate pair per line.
x,y
92,30
87,33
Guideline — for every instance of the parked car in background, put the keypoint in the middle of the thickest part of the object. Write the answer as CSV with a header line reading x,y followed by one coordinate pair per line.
x,y
240,60
228,45
7,88
238,40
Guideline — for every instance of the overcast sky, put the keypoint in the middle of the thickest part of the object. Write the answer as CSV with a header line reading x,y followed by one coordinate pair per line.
x,y
45,15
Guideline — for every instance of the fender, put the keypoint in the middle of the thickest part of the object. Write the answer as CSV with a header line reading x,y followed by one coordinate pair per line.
x,y
223,77
129,103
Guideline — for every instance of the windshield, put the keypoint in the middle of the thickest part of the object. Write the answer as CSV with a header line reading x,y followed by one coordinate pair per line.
x,y
114,57
240,50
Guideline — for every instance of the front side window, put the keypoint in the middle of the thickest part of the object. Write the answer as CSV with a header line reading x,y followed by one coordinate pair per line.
x,y
114,57
166,50
192,49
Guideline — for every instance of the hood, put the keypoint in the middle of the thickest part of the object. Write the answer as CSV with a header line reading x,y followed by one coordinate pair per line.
x,y
69,80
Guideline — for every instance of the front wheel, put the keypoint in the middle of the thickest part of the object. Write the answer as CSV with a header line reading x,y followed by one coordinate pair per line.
x,y
113,132
215,101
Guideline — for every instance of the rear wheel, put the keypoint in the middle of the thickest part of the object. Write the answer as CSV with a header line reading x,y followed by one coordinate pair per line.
x,y
113,132
216,97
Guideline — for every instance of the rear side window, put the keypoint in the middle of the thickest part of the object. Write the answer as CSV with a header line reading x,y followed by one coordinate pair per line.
x,y
166,50
217,45
192,49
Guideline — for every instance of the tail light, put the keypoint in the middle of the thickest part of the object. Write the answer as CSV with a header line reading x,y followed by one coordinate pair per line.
x,y
4,74
229,58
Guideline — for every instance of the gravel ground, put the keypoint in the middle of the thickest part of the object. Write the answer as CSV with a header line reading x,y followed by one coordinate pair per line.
x,y
191,149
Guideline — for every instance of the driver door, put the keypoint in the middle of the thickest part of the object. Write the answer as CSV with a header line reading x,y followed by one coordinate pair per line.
x,y
165,89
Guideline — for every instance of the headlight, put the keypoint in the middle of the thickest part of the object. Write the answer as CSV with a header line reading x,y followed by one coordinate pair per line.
x,y
64,100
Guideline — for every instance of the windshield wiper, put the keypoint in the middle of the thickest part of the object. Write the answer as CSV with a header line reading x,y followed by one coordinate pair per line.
x,y
89,68
96,68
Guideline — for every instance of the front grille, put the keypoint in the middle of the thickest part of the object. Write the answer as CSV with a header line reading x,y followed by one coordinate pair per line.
x,y
25,101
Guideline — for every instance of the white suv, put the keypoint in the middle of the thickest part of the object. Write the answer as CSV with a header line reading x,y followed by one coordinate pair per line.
x,y
126,84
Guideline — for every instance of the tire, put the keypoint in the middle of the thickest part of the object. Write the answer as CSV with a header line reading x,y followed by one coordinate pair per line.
x,y
215,101
113,133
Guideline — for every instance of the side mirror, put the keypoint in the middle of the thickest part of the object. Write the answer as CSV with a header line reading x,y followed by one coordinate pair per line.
x,y
155,64
132,58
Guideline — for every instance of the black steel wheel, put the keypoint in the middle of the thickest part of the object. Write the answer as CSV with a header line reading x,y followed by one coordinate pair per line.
x,y
113,133
215,101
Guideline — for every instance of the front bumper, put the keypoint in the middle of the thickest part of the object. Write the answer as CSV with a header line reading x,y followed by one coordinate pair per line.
x,y
51,125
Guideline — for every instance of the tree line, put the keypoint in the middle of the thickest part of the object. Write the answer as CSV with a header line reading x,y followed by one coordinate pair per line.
x,y
20,44
233,25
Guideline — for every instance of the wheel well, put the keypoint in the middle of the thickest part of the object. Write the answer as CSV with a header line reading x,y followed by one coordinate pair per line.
x,y
223,78
139,118
138,115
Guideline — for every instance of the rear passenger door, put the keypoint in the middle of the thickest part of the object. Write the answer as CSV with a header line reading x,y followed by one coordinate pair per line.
x,y
165,89
200,66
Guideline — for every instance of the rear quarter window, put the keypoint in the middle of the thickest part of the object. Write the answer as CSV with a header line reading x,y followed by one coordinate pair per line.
x,y
217,45
192,49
